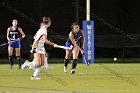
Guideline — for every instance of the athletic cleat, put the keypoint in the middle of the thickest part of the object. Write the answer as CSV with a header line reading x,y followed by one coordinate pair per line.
x,y
72,71
48,68
31,67
11,66
35,78
25,64
19,67
65,69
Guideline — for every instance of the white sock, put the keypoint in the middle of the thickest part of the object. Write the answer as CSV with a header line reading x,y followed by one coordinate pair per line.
x,y
31,64
36,72
46,62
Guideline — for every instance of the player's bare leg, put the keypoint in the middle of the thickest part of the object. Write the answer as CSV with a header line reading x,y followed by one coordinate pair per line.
x,y
39,63
10,51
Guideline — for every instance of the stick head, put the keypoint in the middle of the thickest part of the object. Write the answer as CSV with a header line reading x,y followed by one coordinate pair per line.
x,y
86,61
4,44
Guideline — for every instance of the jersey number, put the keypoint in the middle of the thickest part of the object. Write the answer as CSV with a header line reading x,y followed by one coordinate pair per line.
x,y
14,37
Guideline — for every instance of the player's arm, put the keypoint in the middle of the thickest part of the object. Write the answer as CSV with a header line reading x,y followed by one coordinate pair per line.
x,y
8,31
72,39
21,32
48,42
34,36
74,42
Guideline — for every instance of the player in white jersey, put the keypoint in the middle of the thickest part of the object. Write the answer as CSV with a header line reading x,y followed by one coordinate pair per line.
x,y
38,48
46,66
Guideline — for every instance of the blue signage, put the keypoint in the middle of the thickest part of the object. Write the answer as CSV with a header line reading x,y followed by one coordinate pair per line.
x,y
88,29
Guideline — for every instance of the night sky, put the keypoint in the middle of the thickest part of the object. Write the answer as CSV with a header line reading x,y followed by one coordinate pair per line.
x,y
123,14
62,14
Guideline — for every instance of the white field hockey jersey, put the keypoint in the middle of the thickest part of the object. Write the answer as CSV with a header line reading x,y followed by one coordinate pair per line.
x,y
39,39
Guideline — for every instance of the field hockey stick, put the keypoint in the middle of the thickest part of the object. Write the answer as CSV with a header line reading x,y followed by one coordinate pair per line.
x,y
4,44
85,60
64,47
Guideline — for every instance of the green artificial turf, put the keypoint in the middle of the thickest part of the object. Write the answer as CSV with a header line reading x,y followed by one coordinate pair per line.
x,y
96,78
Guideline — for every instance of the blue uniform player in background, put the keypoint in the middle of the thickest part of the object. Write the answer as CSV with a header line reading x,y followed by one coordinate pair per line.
x,y
14,35
76,37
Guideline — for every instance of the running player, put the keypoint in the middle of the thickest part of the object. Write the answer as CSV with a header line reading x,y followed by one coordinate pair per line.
x,y
38,48
13,34
76,37
46,66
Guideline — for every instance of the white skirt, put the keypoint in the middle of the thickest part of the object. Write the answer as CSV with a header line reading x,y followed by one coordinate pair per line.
x,y
40,50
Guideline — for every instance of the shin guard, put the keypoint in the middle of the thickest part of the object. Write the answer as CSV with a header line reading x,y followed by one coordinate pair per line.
x,y
11,60
66,61
18,60
74,63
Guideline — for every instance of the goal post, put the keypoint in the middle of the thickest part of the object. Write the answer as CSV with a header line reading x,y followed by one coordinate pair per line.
x,y
88,29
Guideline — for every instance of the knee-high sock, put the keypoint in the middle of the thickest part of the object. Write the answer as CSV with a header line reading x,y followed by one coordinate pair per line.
x,y
11,60
37,71
74,63
46,62
66,61
18,60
